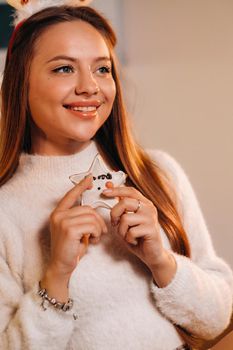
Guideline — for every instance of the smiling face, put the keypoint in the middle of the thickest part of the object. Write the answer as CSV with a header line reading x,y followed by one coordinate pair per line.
x,y
71,88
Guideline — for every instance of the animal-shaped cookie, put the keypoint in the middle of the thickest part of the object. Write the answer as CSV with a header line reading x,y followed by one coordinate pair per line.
x,y
101,175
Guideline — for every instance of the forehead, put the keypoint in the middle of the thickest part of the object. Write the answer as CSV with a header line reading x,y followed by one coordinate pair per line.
x,y
76,38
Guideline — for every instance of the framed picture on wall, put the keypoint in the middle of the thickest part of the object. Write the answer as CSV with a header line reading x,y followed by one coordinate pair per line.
x,y
5,28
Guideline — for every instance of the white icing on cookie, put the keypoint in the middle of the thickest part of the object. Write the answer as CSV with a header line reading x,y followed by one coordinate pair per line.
x,y
101,175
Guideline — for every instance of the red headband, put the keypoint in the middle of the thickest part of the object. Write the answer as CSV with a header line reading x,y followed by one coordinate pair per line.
x,y
12,39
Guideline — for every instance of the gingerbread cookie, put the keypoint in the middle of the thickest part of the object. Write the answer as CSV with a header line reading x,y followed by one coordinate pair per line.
x,y
101,175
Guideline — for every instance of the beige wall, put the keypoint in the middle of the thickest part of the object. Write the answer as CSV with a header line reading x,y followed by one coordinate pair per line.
x,y
179,81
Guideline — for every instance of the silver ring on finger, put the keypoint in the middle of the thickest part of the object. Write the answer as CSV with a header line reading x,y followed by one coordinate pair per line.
x,y
138,207
136,210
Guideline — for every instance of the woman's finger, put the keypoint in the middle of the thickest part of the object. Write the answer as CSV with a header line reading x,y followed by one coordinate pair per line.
x,y
134,233
123,192
86,210
125,205
128,220
71,197
76,227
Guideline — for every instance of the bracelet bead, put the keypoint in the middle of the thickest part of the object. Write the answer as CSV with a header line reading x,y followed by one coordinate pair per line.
x,y
47,300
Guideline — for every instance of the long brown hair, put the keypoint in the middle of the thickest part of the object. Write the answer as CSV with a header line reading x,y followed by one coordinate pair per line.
x,y
114,138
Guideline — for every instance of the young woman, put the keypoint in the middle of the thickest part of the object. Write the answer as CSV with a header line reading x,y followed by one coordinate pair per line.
x,y
150,271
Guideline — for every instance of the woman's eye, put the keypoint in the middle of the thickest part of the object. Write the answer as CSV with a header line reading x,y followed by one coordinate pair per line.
x,y
104,70
64,69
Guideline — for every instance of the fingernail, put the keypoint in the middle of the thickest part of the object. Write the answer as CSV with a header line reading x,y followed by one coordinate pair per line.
x,y
88,175
115,222
109,185
108,191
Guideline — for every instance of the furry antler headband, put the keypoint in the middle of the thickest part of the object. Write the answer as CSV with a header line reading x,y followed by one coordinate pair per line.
x,y
26,8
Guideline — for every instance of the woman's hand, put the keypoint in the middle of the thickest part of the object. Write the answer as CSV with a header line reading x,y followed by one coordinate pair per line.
x,y
138,225
70,227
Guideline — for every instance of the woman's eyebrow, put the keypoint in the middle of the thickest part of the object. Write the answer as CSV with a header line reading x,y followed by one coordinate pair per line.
x,y
73,59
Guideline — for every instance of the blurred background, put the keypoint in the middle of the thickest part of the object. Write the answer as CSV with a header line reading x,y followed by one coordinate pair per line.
x,y
177,70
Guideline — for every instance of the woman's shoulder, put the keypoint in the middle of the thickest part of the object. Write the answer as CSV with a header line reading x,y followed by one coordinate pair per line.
x,y
8,227
9,191
170,167
177,180
10,201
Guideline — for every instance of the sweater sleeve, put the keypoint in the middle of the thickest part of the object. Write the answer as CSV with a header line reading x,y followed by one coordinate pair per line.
x,y
23,322
199,297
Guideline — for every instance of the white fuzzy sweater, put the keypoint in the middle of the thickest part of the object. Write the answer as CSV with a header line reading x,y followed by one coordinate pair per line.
x,y
117,303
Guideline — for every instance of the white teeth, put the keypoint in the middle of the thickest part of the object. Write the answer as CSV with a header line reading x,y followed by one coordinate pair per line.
x,y
83,109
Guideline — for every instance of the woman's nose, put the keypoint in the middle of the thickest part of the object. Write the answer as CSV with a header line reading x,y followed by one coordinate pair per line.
x,y
86,84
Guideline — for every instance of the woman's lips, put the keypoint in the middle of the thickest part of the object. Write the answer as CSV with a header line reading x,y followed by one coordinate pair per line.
x,y
86,112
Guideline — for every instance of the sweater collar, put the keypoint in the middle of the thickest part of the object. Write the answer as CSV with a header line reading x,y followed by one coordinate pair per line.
x,y
54,167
